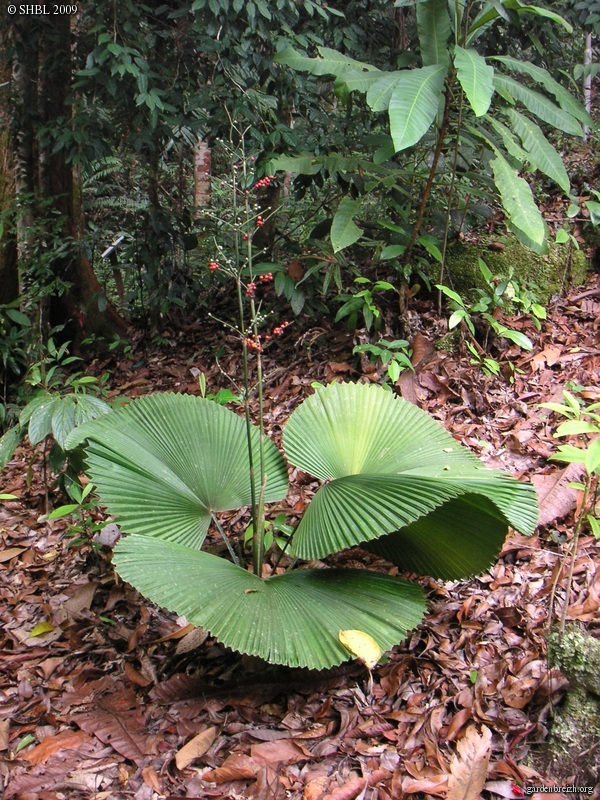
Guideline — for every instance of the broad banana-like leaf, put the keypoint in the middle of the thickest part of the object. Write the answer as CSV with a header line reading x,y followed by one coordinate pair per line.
x,y
565,99
542,154
344,231
476,78
490,12
538,104
165,463
517,201
361,81
380,92
414,104
329,62
509,141
291,619
433,26
387,464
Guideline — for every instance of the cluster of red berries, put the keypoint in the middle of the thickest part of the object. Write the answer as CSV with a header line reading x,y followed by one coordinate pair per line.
x,y
252,344
251,289
266,181
212,265
266,278
259,222
279,329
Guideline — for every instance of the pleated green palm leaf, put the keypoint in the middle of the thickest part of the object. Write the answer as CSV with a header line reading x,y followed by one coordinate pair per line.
x,y
291,619
390,468
165,463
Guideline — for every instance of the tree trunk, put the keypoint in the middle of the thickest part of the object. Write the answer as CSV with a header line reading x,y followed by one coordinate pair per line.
x,y
202,175
49,184
9,276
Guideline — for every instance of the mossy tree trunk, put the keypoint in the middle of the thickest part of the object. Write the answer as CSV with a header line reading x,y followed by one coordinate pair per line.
x,y
573,748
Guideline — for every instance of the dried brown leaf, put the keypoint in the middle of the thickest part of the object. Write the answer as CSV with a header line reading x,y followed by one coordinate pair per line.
x,y
286,751
151,779
556,499
355,786
468,768
435,785
81,598
422,350
122,730
315,788
66,740
4,734
10,552
195,748
236,767
458,721
191,641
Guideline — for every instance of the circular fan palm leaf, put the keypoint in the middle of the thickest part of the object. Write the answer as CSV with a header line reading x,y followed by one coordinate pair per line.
x,y
165,463
435,545
388,464
291,619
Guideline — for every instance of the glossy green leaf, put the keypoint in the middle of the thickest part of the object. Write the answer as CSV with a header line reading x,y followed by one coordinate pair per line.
x,y
509,140
541,153
392,251
40,413
63,419
344,231
538,104
569,454
592,456
565,99
302,164
433,26
9,442
329,62
575,427
476,78
594,208
517,200
414,104
360,81
291,619
490,12
380,92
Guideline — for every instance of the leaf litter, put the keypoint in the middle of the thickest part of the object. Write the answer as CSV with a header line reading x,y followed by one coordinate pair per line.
x,y
120,699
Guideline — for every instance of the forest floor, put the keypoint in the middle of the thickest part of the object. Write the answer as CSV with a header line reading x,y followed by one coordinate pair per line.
x,y
103,695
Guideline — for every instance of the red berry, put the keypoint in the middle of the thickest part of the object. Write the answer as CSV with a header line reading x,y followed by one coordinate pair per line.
x,y
252,344
213,266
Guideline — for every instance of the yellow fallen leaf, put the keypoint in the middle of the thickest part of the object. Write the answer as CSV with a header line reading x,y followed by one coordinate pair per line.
x,y
361,645
195,748
41,628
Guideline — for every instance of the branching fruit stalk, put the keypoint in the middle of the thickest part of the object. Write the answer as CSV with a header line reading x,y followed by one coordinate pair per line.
x,y
256,470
